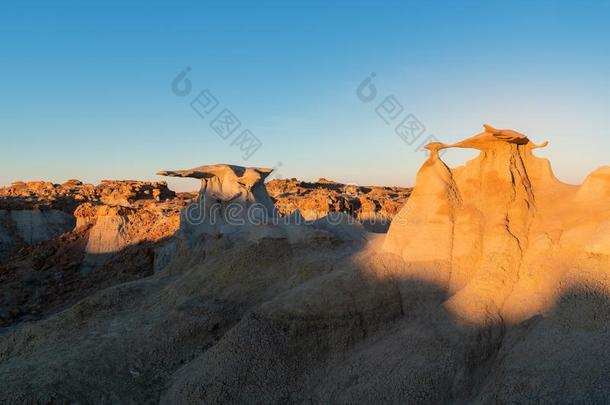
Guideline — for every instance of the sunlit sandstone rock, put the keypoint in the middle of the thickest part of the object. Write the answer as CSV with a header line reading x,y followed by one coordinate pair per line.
x,y
496,232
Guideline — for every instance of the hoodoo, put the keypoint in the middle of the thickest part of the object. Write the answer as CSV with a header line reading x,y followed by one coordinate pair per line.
x,y
230,197
234,200
494,230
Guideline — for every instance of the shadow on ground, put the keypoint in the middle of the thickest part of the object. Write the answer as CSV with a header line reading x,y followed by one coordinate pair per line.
x,y
273,322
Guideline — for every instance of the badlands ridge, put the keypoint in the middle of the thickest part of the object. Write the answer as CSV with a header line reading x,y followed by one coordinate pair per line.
x,y
490,286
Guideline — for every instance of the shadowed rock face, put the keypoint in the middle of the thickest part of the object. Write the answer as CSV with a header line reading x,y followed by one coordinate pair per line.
x,y
60,243
20,228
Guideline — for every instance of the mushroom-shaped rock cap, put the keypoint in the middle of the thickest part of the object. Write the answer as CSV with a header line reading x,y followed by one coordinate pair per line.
x,y
489,138
246,175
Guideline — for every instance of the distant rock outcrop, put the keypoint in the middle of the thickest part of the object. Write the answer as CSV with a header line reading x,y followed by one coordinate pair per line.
x,y
38,211
233,200
67,196
59,243
373,206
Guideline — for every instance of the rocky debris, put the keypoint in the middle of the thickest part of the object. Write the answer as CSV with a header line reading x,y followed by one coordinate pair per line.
x,y
108,245
67,196
39,211
373,206
52,258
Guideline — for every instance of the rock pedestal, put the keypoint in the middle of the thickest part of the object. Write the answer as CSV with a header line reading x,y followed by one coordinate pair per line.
x,y
231,197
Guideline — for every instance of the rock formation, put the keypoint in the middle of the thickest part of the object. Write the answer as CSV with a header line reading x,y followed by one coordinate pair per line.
x,y
491,286
230,197
373,206
112,229
67,196
122,230
59,243
38,211
234,200
494,231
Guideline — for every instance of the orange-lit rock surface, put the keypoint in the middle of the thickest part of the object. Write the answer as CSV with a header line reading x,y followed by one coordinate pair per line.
x,y
501,234
67,196
373,206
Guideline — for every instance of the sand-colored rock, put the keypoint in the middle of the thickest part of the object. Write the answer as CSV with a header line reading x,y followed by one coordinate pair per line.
x,y
67,196
233,200
230,197
38,211
373,206
497,225
112,229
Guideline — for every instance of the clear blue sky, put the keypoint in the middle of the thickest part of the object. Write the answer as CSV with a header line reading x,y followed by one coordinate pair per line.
x,y
86,89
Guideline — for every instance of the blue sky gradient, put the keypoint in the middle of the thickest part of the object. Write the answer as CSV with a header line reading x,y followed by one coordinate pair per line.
x,y
86,88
